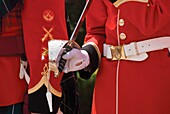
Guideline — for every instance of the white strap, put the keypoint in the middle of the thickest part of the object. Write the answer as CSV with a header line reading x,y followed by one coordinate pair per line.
x,y
137,51
23,73
27,77
147,46
107,51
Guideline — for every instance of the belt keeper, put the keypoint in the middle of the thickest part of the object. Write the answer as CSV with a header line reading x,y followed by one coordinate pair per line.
x,y
131,49
107,53
135,49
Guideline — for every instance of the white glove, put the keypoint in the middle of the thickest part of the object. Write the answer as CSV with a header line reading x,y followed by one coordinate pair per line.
x,y
76,60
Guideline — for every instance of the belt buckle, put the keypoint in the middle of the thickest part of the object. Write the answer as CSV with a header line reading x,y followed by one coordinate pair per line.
x,y
117,52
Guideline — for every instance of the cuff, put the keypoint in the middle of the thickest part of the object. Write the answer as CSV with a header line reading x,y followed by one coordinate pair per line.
x,y
95,56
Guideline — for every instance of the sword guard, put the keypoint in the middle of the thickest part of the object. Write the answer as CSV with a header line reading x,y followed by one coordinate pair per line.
x,y
68,47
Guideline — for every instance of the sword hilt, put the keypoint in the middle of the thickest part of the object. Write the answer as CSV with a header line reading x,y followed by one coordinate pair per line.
x,y
73,37
68,47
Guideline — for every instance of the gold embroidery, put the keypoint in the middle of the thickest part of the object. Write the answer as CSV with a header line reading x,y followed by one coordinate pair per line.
x,y
44,80
40,83
45,52
45,70
48,15
52,90
119,2
48,34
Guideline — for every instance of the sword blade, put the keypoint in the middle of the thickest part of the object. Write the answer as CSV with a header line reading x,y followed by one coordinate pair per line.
x,y
73,37
80,21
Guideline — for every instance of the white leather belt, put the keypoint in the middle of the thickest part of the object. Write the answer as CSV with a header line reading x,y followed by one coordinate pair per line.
x,y
136,51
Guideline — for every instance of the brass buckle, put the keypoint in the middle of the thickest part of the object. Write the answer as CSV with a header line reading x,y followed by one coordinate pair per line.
x,y
117,52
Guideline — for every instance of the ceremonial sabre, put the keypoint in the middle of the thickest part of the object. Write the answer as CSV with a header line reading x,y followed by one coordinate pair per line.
x,y
73,37
56,49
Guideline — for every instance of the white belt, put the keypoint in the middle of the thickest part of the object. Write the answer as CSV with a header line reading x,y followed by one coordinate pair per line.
x,y
136,51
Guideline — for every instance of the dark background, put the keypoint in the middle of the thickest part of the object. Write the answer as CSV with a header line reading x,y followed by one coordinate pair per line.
x,y
74,9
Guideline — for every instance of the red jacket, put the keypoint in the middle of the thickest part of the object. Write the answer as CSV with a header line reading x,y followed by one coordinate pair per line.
x,y
12,88
129,87
42,21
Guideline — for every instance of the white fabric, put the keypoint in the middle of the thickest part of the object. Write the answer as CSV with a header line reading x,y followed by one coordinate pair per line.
x,y
76,60
147,46
55,49
23,73
137,51
107,53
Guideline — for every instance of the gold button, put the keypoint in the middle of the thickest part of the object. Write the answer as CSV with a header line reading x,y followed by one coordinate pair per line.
x,y
122,36
121,22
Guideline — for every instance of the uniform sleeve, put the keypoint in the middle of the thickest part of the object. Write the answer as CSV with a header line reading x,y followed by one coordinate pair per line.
x,y
95,37
150,16
95,23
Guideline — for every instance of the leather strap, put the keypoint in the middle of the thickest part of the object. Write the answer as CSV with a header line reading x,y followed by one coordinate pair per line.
x,y
155,44
137,50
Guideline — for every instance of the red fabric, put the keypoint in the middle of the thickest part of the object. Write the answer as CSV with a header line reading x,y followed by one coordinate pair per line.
x,y
11,39
143,86
34,24
12,89
11,23
11,45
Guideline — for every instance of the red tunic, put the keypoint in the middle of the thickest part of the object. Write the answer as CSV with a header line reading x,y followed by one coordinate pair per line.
x,y
42,21
12,88
129,87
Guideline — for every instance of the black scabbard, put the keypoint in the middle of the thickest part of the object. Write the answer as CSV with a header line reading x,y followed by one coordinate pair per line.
x,y
70,94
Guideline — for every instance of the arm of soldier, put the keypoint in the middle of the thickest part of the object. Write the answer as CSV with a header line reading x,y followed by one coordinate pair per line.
x,y
85,60
95,37
95,58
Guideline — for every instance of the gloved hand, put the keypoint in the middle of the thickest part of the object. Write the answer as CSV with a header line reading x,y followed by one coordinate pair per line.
x,y
77,59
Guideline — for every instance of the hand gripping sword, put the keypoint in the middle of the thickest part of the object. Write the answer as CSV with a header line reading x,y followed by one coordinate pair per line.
x,y
69,98
73,37
69,83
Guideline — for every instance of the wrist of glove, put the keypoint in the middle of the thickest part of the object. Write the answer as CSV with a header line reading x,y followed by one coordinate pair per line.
x,y
77,59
